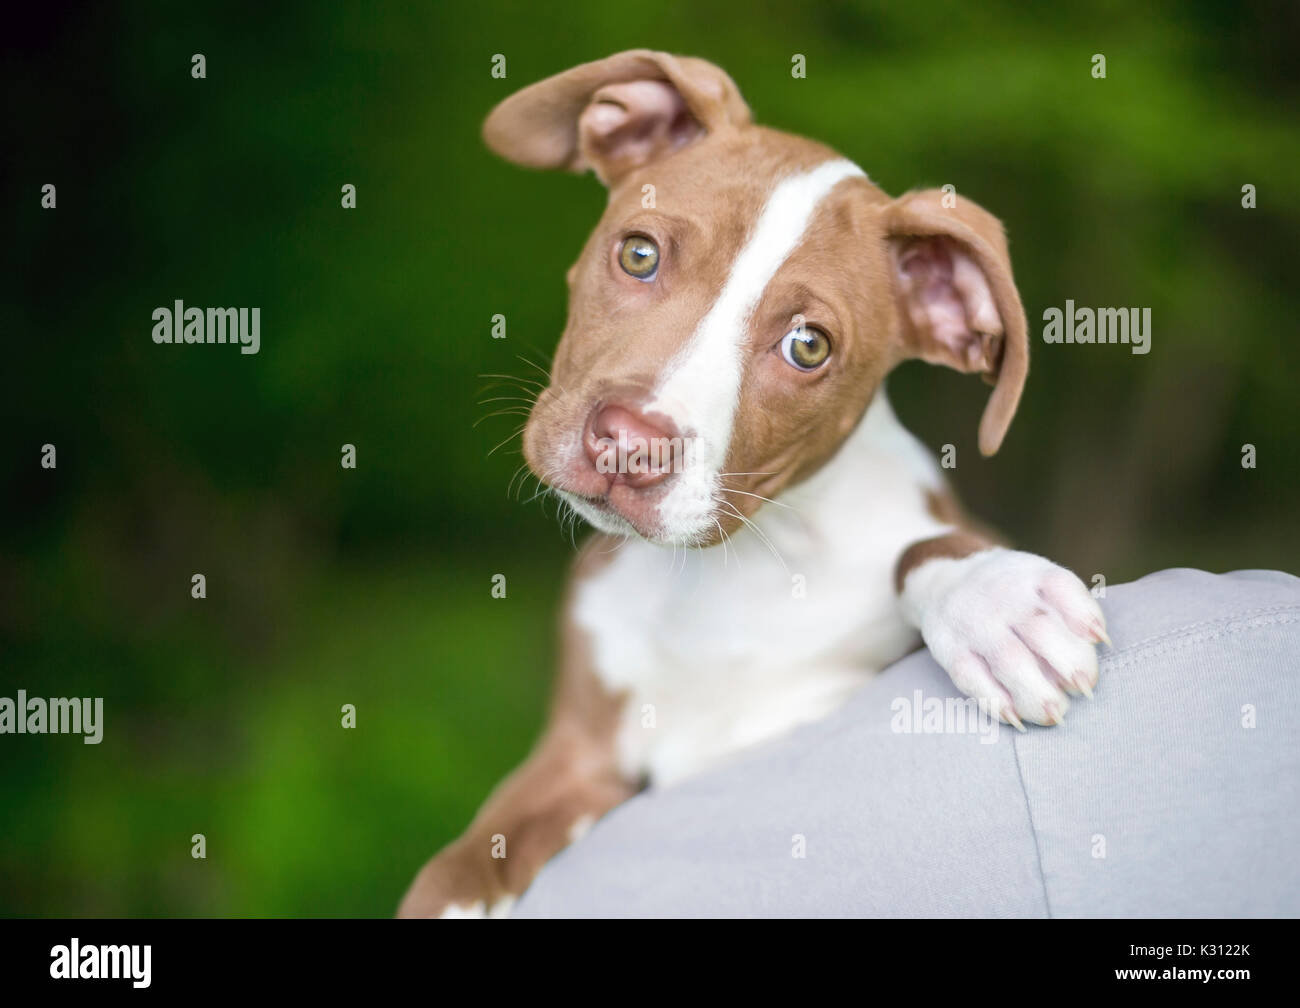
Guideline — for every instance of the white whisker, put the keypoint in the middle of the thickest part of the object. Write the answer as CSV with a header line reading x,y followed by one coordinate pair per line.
x,y
506,441
756,530
769,500
522,399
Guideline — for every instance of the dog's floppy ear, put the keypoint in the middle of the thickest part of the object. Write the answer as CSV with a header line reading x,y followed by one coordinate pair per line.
x,y
615,114
957,298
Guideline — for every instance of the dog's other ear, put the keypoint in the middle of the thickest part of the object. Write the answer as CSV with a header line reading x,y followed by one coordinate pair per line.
x,y
957,298
615,114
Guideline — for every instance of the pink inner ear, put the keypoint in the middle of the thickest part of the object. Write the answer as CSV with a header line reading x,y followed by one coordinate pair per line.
x,y
628,125
948,302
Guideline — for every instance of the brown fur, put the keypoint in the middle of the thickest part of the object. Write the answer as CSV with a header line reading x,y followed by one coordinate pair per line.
x,y
570,774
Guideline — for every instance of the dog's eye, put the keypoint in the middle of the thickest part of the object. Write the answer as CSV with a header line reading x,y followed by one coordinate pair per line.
x,y
639,257
806,348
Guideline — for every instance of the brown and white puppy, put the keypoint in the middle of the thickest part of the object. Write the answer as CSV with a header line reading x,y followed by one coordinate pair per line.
x,y
719,384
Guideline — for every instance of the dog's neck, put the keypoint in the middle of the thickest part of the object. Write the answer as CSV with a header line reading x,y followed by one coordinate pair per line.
x,y
821,555
876,488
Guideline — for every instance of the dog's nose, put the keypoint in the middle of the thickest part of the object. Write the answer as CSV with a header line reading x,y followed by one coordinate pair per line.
x,y
630,447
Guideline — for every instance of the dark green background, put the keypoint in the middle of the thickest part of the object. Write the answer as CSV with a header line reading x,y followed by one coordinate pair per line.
x,y
371,587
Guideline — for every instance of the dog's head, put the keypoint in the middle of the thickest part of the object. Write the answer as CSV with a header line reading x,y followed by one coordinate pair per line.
x,y
740,301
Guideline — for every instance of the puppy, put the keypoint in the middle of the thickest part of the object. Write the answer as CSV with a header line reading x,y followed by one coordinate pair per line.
x,y
767,535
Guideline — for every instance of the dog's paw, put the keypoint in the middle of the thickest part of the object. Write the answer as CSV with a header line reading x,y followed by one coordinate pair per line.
x,y
479,910
455,885
1012,629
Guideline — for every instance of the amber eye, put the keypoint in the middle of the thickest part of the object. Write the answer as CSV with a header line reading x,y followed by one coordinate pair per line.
x,y
806,348
639,257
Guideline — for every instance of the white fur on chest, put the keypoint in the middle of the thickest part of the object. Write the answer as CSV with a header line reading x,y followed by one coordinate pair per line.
x,y
721,648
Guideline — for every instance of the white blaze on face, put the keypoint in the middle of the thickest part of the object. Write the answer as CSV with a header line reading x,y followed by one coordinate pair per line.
x,y
701,385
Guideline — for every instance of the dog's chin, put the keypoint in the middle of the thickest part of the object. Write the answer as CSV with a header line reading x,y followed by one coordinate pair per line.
x,y
604,516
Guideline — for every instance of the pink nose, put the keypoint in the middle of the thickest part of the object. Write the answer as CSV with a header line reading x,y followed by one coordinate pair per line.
x,y
630,447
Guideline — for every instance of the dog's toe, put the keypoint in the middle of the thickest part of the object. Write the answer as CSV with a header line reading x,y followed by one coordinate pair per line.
x,y
1015,631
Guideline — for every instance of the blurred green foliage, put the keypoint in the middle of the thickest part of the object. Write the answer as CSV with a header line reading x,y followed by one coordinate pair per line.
x,y
371,586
